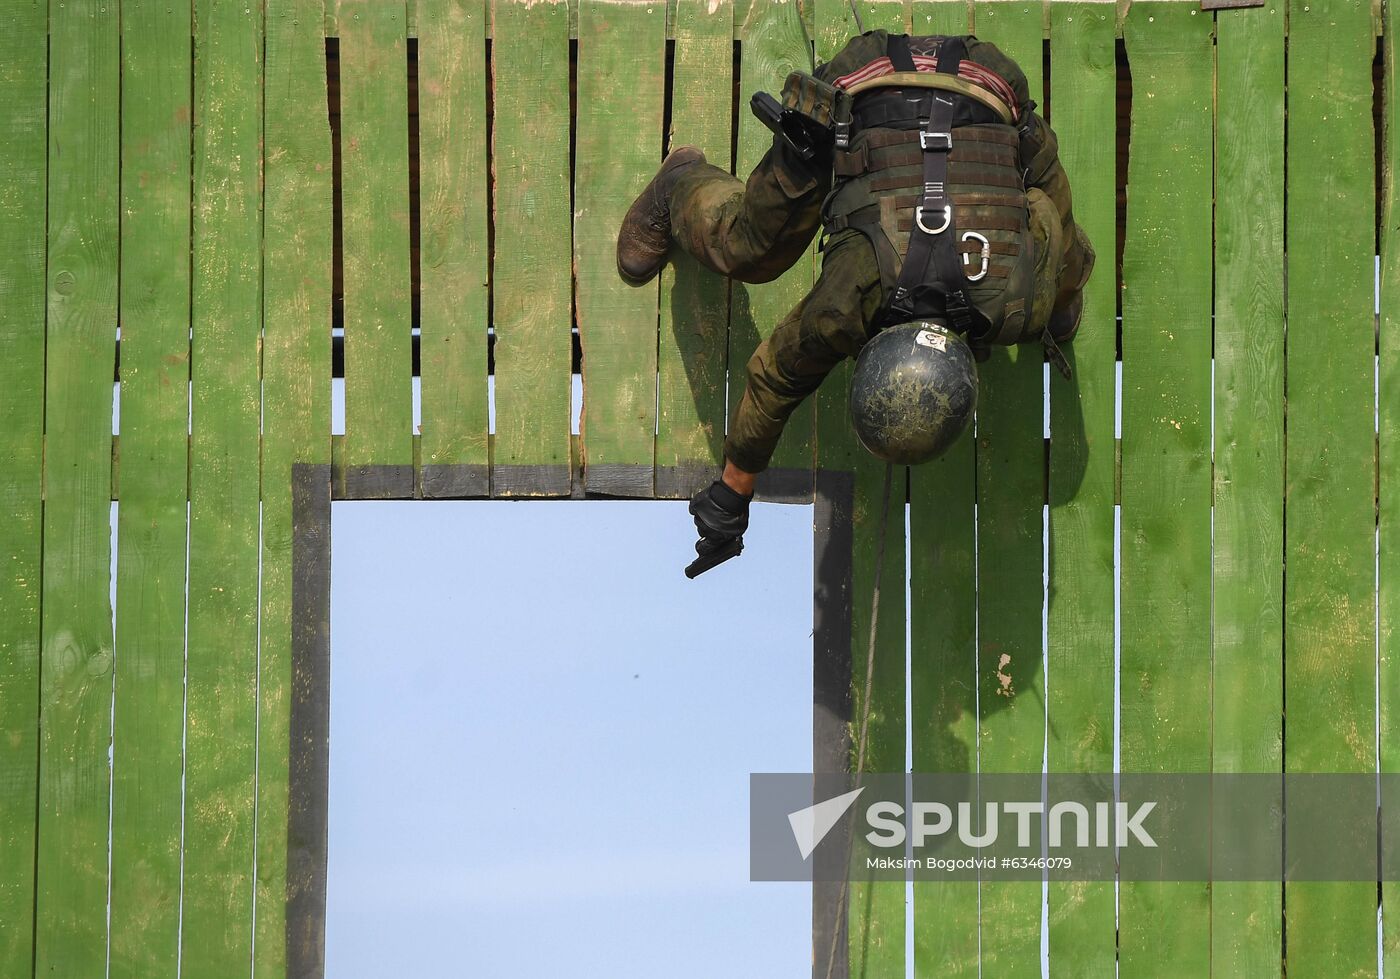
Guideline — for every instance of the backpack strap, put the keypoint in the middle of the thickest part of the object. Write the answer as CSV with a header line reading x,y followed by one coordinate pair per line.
x,y
897,48
931,262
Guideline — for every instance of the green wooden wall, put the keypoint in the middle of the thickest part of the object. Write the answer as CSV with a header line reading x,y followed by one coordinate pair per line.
x,y
170,178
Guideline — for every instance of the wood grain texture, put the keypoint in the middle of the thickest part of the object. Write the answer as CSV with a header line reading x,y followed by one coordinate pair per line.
x,y
23,135
836,21
1164,928
297,231
1079,617
621,96
76,693
774,44
1247,709
1010,453
149,714
453,177
942,17
691,353
1390,474
375,205
532,288
1329,591
943,681
23,157
222,657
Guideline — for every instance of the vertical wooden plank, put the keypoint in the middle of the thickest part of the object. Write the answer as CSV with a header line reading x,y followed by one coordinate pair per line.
x,y
455,300
1390,473
875,918
378,274
23,78
1247,710
943,682
621,91
297,228
532,288
943,634
221,712
1329,590
774,44
1083,470
149,715
1010,453
943,17
694,300
836,22
75,711
1165,631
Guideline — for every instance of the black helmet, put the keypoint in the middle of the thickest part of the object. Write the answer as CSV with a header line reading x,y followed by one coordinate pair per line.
x,y
913,392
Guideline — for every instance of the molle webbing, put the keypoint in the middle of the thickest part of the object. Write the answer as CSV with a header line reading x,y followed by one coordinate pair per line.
x,y
936,151
884,181
882,149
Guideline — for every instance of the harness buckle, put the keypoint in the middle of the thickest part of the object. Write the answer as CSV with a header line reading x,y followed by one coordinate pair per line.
x,y
942,142
947,220
986,256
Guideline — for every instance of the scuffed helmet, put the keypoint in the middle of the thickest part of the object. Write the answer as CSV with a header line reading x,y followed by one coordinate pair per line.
x,y
913,392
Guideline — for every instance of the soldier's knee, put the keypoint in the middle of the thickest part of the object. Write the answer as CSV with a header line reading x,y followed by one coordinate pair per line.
x,y
754,273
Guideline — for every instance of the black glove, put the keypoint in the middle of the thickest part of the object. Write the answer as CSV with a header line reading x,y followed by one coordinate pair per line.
x,y
721,517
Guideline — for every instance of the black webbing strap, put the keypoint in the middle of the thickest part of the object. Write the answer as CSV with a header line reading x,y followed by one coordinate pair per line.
x,y
897,47
932,240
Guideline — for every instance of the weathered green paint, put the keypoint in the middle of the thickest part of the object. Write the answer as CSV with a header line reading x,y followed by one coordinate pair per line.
x,y
943,682
695,301
453,267
1164,928
531,285
23,98
149,717
836,21
1079,619
621,96
76,670
1010,454
774,44
297,225
943,17
221,713
1168,483
1389,472
375,208
1247,708
1329,591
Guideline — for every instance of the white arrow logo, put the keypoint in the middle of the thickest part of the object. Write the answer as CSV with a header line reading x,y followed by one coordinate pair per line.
x,y
810,825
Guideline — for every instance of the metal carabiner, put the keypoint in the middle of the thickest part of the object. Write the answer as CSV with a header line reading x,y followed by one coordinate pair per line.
x,y
947,220
986,256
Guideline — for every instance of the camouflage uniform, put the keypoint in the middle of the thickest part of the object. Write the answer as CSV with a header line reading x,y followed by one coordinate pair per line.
x,y
755,231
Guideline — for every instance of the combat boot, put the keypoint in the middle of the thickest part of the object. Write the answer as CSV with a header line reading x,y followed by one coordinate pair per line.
x,y
645,235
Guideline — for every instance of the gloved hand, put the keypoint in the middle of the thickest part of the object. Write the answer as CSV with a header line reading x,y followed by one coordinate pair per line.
x,y
721,517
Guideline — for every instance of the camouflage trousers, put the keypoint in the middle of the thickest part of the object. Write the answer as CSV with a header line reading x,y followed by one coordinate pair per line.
x,y
754,231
